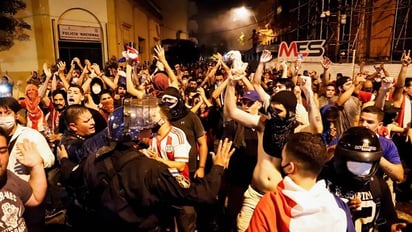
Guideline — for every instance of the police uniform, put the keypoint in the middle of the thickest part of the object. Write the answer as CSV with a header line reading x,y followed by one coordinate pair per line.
x,y
150,186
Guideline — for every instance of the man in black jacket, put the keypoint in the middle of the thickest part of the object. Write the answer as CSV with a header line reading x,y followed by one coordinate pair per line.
x,y
80,139
148,186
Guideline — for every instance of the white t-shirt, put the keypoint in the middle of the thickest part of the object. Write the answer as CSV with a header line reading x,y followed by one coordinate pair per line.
x,y
22,133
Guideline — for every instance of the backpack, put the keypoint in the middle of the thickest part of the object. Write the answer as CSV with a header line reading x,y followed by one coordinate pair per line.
x,y
103,186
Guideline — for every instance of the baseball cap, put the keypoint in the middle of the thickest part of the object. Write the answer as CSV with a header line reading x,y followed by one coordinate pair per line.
x,y
251,95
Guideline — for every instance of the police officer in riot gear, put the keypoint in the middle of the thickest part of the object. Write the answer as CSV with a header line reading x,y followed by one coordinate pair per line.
x,y
146,185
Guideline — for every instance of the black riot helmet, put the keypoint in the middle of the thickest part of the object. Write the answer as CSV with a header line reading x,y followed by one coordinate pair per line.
x,y
127,122
357,155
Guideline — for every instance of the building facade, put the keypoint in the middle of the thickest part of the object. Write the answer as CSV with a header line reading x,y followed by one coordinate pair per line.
x,y
93,29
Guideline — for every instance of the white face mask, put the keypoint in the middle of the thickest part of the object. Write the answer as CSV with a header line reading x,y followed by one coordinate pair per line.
x,y
7,123
96,89
75,80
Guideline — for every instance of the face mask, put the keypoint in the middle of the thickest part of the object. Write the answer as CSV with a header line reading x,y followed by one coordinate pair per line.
x,y
170,101
96,89
282,171
7,123
170,104
75,80
274,115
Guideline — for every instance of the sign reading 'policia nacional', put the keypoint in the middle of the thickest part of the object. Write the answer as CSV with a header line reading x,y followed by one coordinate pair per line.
x,y
79,33
308,50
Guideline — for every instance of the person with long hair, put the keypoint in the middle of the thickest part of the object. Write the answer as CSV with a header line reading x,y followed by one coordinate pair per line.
x,y
35,116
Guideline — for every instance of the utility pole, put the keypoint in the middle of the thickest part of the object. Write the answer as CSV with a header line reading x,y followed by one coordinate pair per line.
x,y
337,46
362,35
322,16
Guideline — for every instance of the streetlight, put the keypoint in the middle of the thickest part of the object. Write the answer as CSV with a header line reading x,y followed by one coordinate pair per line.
x,y
242,19
243,12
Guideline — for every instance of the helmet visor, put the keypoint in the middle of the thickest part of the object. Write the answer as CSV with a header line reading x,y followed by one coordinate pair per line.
x,y
359,168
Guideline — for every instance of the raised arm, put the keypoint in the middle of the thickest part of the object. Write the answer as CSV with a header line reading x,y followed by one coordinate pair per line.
x,y
257,78
386,84
30,157
160,56
86,84
359,80
85,72
345,96
77,61
234,112
385,71
284,66
73,63
296,66
315,120
216,93
43,87
203,99
116,78
397,93
247,83
62,66
129,83
102,76
225,67
54,80
325,62
211,72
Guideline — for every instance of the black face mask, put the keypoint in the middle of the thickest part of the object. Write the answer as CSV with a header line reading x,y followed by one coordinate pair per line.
x,y
276,131
274,115
282,170
179,110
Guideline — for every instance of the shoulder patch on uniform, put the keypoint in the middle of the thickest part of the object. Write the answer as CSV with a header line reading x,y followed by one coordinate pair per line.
x,y
183,182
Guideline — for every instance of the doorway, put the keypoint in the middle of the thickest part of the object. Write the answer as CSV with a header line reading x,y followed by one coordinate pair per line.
x,y
82,50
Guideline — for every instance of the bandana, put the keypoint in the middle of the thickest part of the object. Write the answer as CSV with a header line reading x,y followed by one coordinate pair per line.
x,y
276,132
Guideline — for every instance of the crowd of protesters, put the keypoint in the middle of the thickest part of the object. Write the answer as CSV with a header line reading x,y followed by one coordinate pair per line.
x,y
209,101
